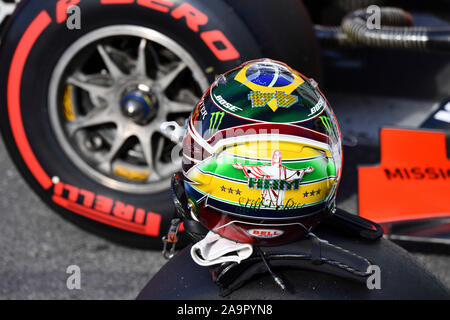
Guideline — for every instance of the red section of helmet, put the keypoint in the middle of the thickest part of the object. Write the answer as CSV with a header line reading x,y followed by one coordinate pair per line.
x,y
193,153
245,230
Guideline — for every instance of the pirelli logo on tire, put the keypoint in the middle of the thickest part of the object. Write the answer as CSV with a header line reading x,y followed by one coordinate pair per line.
x,y
215,40
106,210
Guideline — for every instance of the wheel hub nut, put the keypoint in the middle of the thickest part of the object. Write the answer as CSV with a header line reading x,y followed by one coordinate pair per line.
x,y
139,104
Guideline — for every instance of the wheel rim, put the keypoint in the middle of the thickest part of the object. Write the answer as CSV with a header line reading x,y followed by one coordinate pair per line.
x,y
109,93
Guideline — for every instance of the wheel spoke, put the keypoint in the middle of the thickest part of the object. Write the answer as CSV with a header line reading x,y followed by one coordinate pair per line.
x,y
165,169
116,146
148,152
178,107
93,118
165,81
153,53
159,148
119,141
93,89
141,62
145,141
112,67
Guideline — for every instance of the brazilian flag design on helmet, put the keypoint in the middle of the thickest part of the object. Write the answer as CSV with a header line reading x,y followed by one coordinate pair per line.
x,y
261,155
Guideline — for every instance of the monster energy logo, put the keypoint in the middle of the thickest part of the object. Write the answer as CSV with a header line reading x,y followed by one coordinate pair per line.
x,y
274,184
326,123
215,121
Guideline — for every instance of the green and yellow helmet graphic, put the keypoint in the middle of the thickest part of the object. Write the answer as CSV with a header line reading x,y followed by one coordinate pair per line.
x,y
262,149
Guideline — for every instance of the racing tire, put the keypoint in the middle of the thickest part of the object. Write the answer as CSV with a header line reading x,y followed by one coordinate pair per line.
x,y
50,50
401,277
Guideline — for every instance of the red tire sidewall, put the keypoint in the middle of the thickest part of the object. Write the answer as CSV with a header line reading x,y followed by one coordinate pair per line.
x,y
32,46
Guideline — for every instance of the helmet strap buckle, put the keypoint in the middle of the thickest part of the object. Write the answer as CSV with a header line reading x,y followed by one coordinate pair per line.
x,y
171,239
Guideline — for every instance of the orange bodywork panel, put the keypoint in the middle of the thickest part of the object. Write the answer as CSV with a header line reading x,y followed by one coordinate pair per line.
x,y
412,180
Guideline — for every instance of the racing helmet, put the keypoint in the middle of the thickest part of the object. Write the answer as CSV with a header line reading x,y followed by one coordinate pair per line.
x,y
262,156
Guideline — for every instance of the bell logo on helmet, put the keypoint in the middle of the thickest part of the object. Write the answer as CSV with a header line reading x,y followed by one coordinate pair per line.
x,y
265,233
273,179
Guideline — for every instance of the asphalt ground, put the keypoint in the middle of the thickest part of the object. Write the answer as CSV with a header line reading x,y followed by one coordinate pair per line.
x,y
37,246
